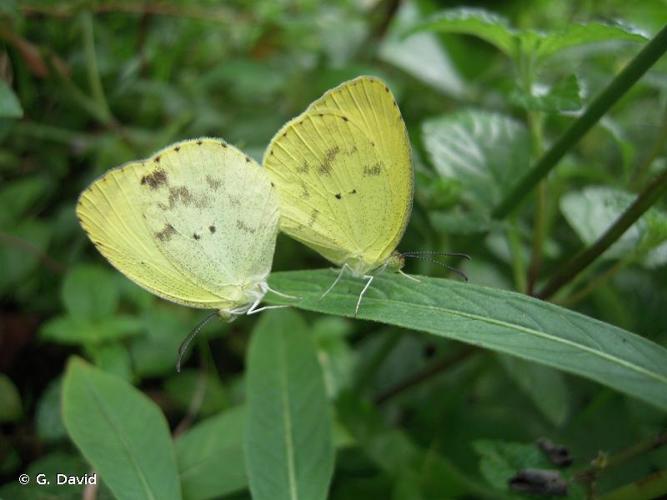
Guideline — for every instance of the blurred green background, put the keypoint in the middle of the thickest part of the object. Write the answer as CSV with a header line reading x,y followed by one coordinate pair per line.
x,y
86,86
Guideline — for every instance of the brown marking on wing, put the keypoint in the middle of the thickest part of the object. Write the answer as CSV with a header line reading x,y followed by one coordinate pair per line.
x,y
155,179
167,232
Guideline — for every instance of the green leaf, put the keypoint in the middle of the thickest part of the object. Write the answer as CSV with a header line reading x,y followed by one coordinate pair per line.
x,y
420,55
48,418
19,196
288,433
564,95
500,460
494,319
121,432
10,400
581,34
210,456
476,22
394,452
486,152
71,330
183,387
592,210
10,107
90,292
20,256
112,357
543,385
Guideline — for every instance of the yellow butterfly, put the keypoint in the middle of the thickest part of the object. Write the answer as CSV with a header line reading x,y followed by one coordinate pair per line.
x,y
196,224
345,179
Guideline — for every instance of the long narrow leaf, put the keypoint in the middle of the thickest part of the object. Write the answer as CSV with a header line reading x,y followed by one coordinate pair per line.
x,y
288,432
495,319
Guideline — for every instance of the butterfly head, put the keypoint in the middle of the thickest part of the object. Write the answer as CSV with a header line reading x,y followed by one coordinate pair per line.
x,y
395,262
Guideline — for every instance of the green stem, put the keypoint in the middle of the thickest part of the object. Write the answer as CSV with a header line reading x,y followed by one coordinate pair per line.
x,y
94,80
518,267
652,486
658,146
539,222
600,105
642,203
595,283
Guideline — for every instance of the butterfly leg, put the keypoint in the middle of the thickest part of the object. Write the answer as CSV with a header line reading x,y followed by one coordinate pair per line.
x,y
400,271
368,283
280,294
255,311
340,274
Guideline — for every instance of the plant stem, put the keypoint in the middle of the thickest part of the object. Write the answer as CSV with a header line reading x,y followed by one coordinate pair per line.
x,y
652,486
642,203
518,267
595,282
94,81
425,374
589,475
651,52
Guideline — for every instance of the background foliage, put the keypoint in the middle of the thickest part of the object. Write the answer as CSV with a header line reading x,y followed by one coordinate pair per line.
x,y
444,394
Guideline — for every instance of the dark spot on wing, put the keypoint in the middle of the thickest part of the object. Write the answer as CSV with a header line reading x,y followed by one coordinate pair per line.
x,y
213,182
180,193
338,196
273,185
345,118
155,179
196,236
212,229
354,191
329,157
313,217
157,159
372,170
386,89
303,169
177,149
247,159
304,190
199,143
167,232
224,145
234,201
243,227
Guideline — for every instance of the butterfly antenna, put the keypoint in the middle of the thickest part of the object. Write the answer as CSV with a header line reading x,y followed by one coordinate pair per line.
x,y
436,253
183,348
415,255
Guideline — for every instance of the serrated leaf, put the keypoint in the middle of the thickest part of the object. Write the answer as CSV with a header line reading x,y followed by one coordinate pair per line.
x,y
494,319
288,434
420,55
486,152
90,292
10,107
564,95
481,23
592,210
581,34
121,432
210,456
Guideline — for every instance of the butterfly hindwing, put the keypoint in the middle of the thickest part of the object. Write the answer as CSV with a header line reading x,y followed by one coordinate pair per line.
x,y
194,223
344,175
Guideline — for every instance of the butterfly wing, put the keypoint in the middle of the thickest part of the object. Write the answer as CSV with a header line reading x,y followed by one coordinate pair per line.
x,y
196,223
344,174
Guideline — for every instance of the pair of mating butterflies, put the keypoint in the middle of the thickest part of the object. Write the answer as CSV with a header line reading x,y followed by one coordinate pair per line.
x,y
196,223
